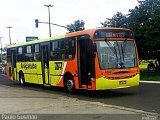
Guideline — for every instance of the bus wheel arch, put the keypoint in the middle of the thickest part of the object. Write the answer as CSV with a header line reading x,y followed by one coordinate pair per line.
x,y
69,83
21,78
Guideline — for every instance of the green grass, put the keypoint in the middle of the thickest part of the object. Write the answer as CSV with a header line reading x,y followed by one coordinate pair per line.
x,y
150,76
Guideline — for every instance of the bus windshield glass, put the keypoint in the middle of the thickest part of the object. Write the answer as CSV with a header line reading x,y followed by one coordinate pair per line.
x,y
116,54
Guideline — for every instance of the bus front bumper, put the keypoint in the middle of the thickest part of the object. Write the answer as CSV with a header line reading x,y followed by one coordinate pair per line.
x,y
105,84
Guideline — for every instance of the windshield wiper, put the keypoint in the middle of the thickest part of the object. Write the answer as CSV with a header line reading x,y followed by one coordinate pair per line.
x,y
119,51
123,47
122,52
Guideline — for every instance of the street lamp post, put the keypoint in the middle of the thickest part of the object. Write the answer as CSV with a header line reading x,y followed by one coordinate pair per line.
x,y
49,18
9,27
1,48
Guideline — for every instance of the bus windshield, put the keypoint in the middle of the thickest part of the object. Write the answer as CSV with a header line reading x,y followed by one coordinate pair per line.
x,y
116,54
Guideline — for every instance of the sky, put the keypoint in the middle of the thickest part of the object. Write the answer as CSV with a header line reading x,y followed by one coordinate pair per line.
x,y
21,15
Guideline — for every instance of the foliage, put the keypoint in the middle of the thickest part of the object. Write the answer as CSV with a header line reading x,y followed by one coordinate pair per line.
x,y
149,75
77,25
118,20
144,20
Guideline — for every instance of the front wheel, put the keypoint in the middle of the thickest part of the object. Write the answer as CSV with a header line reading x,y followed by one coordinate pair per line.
x,y
69,84
21,79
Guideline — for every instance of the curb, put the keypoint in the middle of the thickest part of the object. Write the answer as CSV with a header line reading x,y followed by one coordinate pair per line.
x,y
152,82
136,111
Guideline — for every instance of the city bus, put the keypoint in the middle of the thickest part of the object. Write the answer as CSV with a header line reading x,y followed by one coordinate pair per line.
x,y
93,59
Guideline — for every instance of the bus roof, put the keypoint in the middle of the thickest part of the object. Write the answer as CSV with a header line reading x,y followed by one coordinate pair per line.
x,y
36,41
88,31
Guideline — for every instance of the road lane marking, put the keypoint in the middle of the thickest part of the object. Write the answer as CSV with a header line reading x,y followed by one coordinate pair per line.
x,y
153,82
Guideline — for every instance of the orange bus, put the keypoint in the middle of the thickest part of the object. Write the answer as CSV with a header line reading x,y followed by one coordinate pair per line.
x,y
94,59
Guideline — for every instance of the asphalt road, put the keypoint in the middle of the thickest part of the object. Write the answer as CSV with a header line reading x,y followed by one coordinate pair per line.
x,y
51,103
146,97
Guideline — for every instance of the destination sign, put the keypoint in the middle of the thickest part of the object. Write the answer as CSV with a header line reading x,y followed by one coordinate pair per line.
x,y
31,38
113,34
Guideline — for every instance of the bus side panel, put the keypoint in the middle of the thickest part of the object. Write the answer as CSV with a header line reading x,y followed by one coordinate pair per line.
x,y
15,74
19,68
32,71
39,72
56,70
70,67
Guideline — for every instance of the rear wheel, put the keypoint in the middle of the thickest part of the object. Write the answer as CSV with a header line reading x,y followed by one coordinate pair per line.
x,y
21,79
151,67
69,84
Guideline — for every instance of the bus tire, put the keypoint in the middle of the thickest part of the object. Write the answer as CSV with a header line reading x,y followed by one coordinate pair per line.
x,y
69,84
21,79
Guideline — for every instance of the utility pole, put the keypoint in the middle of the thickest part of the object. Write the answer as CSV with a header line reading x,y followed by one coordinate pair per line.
x,y
9,27
49,18
1,48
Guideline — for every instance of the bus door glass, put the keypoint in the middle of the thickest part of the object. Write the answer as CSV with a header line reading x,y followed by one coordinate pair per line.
x,y
45,63
13,64
85,60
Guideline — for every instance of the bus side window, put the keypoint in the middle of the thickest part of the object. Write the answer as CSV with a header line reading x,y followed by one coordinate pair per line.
x,y
20,54
54,50
36,52
72,48
29,53
63,49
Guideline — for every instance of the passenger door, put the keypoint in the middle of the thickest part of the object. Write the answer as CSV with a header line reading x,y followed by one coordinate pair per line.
x,y
85,60
45,63
12,69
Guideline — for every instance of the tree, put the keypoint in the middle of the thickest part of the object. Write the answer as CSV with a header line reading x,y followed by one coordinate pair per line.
x,y
144,20
77,25
118,20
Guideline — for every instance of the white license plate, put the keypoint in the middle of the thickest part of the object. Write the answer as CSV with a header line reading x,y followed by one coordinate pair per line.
x,y
122,82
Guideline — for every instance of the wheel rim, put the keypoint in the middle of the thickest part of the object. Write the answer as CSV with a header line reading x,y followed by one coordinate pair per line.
x,y
70,84
21,80
151,68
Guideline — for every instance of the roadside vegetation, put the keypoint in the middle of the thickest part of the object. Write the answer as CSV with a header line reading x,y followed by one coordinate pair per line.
x,y
144,20
149,75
